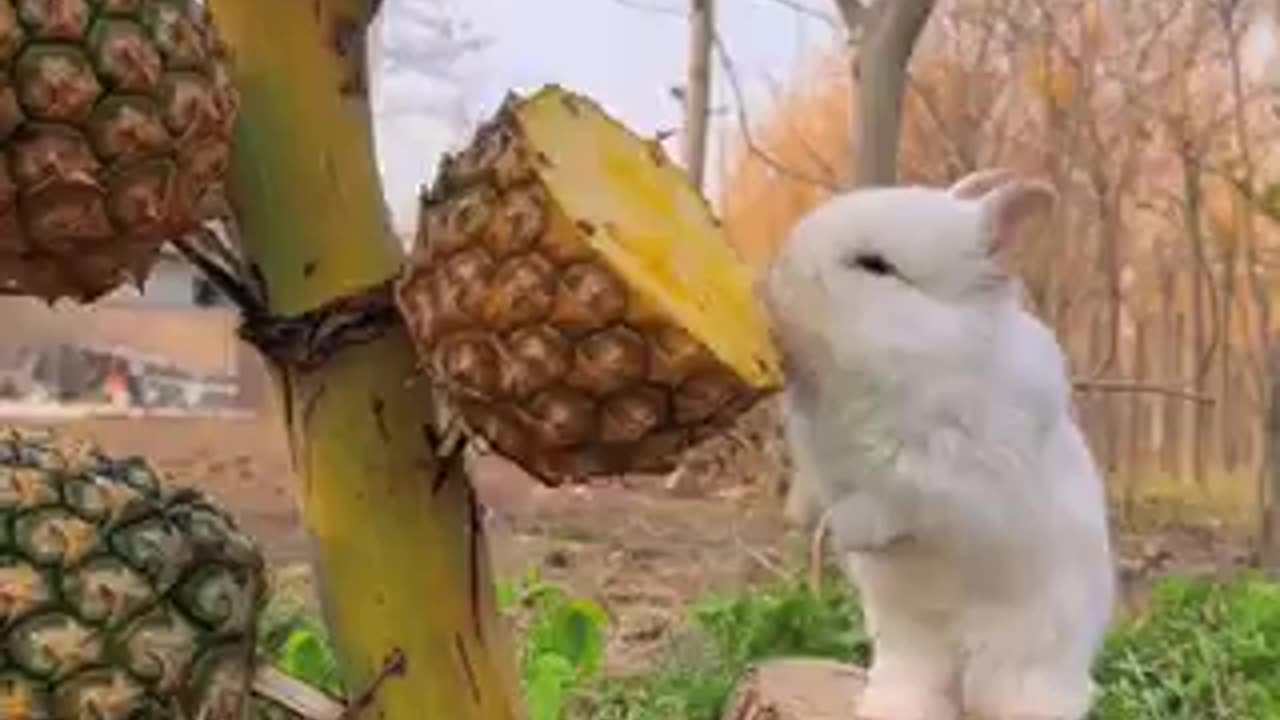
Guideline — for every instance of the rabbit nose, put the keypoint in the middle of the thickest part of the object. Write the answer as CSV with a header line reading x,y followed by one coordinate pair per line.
x,y
760,288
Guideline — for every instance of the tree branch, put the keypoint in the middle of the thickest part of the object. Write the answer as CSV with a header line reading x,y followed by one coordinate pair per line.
x,y
744,126
802,9
801,137
697,92
854,14
420,40
891,37
1127,386
650,7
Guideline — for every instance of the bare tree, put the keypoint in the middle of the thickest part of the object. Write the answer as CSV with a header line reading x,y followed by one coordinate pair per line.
x,y
425,37
414,51
417,44
1160,138
1270,511
697,91
886,34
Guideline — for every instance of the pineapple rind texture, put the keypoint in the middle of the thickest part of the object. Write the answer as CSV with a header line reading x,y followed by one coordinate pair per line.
x,y
585,319
115,128
120,599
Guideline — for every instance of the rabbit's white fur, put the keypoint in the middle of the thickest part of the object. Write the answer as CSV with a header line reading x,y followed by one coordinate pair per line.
x,y
929,412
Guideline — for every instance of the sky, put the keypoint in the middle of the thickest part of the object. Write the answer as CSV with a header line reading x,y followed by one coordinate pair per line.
x,y
627,54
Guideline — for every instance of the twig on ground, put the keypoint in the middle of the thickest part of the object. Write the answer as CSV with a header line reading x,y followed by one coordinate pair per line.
x,y
815,553
762,560
295,695
311,703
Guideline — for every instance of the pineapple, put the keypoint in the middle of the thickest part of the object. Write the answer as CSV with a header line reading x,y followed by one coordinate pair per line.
x,y
115,132
119,600
574,297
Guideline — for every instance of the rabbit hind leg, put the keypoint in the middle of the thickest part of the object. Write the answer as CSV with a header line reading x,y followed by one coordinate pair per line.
x,y
913,675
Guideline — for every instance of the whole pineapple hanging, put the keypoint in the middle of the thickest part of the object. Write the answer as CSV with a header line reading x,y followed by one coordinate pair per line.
x,y
571,292
119,600
115,131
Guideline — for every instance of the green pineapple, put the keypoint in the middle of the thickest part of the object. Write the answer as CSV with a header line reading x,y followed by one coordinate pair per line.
x,y
120,599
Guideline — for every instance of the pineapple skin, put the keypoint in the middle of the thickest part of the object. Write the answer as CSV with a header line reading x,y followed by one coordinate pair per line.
x,y
115,130
541,346
120,599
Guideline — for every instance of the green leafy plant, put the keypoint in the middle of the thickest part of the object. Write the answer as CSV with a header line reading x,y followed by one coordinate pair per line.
x,y
786,618
564,643
728,634
293,639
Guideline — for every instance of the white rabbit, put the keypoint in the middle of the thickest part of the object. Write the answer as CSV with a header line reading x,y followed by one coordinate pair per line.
x,y
929,414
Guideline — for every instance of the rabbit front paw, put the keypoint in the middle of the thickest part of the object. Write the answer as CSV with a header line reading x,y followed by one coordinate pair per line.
x,y
861,522
904,702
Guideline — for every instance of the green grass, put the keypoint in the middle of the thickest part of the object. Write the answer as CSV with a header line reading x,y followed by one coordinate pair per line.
x,y
1201,650
727,635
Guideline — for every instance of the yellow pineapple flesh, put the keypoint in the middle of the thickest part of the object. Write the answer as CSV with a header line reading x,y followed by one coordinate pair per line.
x,y
574,295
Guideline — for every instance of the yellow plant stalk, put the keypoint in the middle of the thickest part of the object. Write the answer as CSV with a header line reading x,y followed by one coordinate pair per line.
x,y
404,575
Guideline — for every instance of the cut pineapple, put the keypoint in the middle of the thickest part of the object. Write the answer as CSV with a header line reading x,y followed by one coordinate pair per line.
x,y
573,293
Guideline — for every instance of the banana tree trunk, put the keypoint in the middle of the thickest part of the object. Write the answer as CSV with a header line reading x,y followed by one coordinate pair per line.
x,y
404,574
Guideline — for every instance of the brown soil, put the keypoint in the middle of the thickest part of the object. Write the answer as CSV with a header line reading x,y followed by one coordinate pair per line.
x,y
639,550
641,547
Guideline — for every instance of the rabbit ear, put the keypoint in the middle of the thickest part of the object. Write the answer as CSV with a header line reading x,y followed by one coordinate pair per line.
x,y
1007,211
979,183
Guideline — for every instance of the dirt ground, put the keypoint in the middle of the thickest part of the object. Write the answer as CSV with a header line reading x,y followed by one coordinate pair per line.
x,y
642,548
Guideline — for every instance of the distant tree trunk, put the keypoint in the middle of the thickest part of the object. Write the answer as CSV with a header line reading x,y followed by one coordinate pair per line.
x,y
1137,442
1270,551
1109,253
697,95
1100,406
1202,358
889,30
1174,454
1234,24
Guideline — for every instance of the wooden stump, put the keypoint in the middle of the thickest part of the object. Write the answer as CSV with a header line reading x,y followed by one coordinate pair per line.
x,y
797,689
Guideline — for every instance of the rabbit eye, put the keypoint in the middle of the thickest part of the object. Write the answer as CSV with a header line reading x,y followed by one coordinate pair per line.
x,y
872,263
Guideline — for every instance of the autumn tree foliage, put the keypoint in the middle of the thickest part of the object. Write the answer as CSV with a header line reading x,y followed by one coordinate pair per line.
x,y
1155,120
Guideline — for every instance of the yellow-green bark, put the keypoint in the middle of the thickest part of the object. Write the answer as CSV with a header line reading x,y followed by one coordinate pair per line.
x,y
400,567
